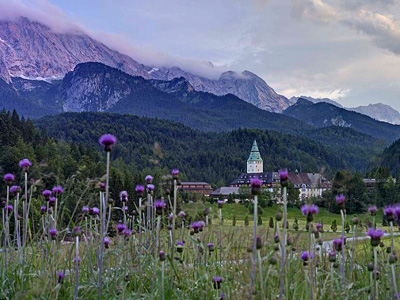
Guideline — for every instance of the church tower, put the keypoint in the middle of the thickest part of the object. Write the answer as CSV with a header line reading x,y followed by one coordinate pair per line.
x,y
255,162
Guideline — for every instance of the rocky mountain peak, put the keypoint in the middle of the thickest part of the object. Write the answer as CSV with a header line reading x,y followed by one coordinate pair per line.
x,y
32,50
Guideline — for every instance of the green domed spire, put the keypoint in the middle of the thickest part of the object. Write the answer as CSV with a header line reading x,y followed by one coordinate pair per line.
x,y
255,153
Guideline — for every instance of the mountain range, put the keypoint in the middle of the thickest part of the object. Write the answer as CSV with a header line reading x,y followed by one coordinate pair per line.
x,y
323,114
31,50
377,111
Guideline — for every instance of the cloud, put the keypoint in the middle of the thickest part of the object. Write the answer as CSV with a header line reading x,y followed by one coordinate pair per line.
x,y
44,12
383,29
361,15
40,11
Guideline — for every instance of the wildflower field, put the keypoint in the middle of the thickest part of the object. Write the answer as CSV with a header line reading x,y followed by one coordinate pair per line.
x,y
139,247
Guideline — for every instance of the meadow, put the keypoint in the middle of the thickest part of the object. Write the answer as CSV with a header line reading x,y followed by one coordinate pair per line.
x,y
153,249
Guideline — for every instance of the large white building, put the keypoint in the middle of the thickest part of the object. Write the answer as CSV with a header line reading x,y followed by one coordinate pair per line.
x,y
308,184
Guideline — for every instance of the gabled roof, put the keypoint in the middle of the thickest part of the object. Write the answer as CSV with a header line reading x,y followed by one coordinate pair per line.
x,y
225,190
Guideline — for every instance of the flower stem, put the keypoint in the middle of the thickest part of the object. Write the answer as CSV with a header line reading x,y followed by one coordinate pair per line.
x,y
375,272
76,267
162,280
352,252
253,267
260,274
283,245
343,257
173,223
102,227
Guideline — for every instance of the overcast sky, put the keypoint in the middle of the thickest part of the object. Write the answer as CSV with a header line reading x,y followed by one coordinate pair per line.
x,y
347,50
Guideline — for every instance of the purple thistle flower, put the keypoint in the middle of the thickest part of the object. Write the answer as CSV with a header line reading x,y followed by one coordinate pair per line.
x,y
57,190
53,233
175,173
127,233
123,196
305,256
340,200
181,214
46,194
159,203
159,206
52,201
25,163
179,246
318,226
8,178
220,203
397,212
150,188
202,224
95,211
196,226
121,228
60,277
256,184
283,174
102,186
148,179
389,212
217,280
106,242
9,208
222,296
139,190
373,210
43,210
85,210
210,247
107,140
309,210
337,244
375,236
15,189
77,259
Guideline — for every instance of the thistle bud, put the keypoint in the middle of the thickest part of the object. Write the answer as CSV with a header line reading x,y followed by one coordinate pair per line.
x,y
370,267
162,255
332,257
278,216
273,260
258,243
392,259
76,231
355,221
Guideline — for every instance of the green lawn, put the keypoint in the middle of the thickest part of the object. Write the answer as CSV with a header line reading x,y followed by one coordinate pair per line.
x,y
240,211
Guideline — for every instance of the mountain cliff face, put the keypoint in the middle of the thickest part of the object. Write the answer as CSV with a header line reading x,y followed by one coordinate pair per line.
x,y
29,49
379,111
246,85
33,50
293,100
324,115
